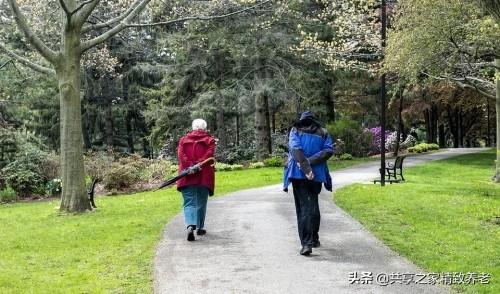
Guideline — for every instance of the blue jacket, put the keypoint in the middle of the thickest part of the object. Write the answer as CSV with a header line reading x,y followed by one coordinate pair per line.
x,y
315,148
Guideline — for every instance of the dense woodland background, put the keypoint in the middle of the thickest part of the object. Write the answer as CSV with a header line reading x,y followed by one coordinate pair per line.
x,y
249,76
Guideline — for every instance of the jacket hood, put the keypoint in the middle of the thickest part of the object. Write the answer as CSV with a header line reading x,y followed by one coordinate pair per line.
x,y
197,135
306,114
308,122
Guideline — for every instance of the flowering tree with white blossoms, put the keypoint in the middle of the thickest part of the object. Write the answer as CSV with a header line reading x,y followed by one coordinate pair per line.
x,y
356,40
62,31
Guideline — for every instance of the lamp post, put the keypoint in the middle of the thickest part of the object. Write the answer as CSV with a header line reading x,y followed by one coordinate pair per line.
x,y
383,93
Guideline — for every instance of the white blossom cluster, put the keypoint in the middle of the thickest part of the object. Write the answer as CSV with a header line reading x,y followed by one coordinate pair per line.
x,y
102,61
356,43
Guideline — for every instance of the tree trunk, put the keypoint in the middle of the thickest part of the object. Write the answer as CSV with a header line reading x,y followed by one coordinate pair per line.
x,y
329,101
441,136
400,123
427,117
262,130
459,124
497,174
434,123
268,125
221,129
237,129
85,130
273,121
74,196
488,125
130,131
108,126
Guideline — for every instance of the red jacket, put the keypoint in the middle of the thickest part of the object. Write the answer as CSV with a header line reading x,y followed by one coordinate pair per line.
x,y
195,147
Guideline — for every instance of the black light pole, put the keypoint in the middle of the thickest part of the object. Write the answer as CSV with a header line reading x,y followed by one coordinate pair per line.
x,y
382,97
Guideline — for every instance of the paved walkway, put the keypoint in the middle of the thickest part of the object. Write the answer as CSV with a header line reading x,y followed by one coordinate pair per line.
x,y
252,246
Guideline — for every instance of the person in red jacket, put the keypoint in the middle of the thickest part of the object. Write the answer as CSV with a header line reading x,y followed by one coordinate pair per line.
x,y
193,148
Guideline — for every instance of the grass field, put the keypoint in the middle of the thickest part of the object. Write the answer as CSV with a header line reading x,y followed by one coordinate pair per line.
x,y
107,251
445,218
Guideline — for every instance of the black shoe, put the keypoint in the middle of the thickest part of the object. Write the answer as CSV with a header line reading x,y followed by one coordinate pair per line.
x,y
201,232
316,244
190,233
306,250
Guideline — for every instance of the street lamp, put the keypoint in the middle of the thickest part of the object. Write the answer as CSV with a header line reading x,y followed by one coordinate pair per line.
x,y
383,90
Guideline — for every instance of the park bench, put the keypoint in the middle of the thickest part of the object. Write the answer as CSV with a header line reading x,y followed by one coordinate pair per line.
x,y
393,170
90,193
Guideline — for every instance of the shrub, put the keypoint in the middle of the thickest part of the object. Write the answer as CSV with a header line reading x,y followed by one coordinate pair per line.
x,y
256,165
346,156
157,170
420,148
121,176
174,168
135,161
377,138
50,167
219,166
23,174
97,164
423,147
354,139
236,167
8,194
53,187
408,142
234,154
274,162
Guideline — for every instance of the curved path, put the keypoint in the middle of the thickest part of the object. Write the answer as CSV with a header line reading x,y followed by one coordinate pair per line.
x,y
252,246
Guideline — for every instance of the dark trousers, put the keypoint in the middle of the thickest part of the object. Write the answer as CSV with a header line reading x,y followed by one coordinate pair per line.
x,y
306,194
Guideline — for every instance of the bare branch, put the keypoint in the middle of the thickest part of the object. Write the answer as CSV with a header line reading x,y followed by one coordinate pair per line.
x,y
45,51
125,23
113,21
120,27
464,83
85,9
65,8
201,17
26,62
6,63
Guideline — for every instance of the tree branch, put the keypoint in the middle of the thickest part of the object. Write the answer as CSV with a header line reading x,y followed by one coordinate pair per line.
x,y
26,62
113,21
65,8
6,63
84,12
462,83
45,51
184,19
125,23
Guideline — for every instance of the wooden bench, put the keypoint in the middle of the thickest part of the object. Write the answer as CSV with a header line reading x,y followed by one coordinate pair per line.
x,y
393,170
90,193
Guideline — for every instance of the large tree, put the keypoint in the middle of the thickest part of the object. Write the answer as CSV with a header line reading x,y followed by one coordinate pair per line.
x,y
450,40
62,31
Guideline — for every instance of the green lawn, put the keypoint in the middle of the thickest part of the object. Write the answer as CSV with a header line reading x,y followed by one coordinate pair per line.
x,y
445,218
107,251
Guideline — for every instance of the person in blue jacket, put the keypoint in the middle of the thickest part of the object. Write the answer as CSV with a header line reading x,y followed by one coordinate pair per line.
x,y
310,147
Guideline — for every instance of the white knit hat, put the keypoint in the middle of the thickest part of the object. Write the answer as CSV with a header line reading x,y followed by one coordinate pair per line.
x,y
199,124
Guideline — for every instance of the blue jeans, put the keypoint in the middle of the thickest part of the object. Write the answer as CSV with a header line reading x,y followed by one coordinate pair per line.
x,y
195,205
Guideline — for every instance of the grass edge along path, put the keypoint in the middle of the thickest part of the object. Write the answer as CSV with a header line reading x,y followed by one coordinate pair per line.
x,y
444,218
110,250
